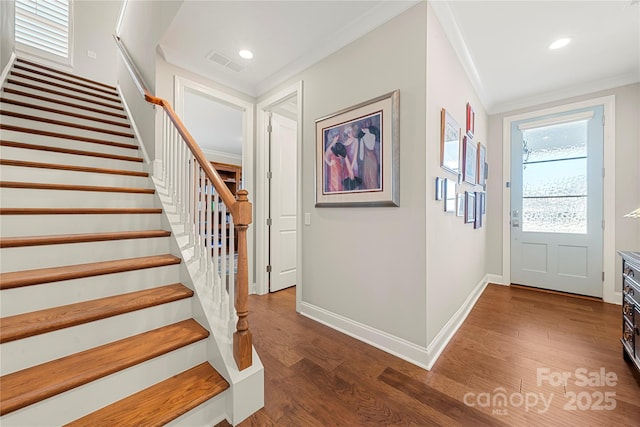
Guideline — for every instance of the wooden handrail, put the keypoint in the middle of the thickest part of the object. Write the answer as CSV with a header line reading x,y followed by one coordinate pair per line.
x,y
240,209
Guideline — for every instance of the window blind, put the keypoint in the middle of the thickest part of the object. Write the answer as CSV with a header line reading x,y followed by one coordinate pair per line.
x,y
44,25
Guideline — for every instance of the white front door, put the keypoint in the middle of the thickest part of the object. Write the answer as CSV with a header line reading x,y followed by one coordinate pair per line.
x,y
557,203
283,186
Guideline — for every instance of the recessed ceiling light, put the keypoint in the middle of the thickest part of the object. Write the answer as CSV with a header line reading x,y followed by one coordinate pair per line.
x,y
559,43
246,54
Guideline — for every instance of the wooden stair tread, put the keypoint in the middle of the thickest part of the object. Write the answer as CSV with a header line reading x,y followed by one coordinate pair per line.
x,y
67,136
31,385
67,124
42,321
44,67
63,112
17,279
111,92
162,402
39,165
73,187
6,143
57,239
65,87
59,102
78,211
67,95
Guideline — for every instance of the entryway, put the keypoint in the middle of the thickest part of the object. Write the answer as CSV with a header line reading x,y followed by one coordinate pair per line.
x,y
556,203
278,153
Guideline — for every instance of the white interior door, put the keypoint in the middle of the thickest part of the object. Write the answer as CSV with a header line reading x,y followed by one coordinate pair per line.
x,y
283,231
556,201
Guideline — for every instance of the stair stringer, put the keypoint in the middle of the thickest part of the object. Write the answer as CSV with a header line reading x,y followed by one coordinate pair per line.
x,y
246,393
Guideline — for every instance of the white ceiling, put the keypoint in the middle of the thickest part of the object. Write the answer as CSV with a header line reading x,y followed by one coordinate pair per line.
x,y
502,44
285,36
504,47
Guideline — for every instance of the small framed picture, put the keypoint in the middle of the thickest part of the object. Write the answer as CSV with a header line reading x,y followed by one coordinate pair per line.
x,y
439,185
471,120
470,164
460,205
449,195
477,221
482,156
470,206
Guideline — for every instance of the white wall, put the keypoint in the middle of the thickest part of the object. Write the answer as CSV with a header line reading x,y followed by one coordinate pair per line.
x,y
627,192
143,24
7,26
94,23
455,255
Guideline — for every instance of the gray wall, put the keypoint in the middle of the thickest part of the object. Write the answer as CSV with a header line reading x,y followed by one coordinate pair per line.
x,y
455,250
627,193
7,26
368,264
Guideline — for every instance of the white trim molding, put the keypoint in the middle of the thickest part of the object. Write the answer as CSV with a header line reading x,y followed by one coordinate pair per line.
x,y
7,68
399,347
609,162
440,341
413,353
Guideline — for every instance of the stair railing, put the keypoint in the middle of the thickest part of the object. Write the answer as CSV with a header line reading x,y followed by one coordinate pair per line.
x,y
214,221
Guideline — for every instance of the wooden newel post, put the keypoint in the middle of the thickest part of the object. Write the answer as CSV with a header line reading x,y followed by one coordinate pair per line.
x,y
242,342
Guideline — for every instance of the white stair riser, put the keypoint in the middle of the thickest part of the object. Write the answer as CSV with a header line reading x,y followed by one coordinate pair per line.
x,y
91,100
80,109
34,111
32,351
63,80
48,141
60,176
66,130
33,257
38,297
75,403
32,198
207,414
29,155
39,225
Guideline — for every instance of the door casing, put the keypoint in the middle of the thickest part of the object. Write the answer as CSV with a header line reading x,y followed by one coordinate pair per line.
x,y
609,293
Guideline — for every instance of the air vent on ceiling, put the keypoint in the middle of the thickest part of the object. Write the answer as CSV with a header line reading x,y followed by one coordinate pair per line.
x,y
219,58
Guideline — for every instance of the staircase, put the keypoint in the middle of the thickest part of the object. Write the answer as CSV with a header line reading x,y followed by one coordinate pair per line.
x,y
96,328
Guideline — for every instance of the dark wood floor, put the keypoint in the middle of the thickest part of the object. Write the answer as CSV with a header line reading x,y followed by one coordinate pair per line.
x,y
315,376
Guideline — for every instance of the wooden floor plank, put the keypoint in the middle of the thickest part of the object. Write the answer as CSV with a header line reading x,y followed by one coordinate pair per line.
x,y
507,337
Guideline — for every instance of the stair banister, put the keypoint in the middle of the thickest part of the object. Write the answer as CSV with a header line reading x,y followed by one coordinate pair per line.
x,y
240,209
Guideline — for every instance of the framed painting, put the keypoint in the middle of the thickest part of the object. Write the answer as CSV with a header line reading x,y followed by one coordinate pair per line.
x,y
358,154
471,120
470,161
470,206
482,157
449,143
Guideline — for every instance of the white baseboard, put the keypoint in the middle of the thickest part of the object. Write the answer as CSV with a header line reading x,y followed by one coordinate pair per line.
x,y
7,68
439,343
496,279
384,341
141,146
